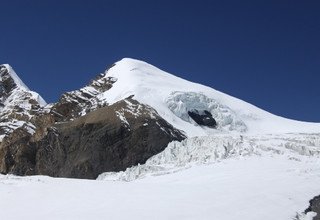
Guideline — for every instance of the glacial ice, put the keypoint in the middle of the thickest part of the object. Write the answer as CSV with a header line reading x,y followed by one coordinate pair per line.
x,y
182,102
211,149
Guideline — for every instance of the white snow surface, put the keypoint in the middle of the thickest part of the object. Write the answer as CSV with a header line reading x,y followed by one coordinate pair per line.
x,y
172,97
248,188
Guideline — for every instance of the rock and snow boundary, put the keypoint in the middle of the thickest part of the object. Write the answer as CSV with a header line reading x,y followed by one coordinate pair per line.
x,y
268,184
212,149
270,158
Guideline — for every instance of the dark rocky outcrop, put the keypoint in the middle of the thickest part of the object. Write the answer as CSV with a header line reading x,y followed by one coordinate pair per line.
x,y
203,118
80,136
18,105
314,207
17,155
102,141
110,138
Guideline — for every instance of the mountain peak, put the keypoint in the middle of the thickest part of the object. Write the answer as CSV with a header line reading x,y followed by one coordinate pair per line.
x,y
8,75
130,64
13,90
174,98
130,61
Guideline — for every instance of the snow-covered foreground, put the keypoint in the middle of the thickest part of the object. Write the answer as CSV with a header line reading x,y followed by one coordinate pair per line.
x,y
256,187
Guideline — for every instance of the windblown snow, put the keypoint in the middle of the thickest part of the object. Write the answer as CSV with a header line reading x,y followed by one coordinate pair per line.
x,y
253,165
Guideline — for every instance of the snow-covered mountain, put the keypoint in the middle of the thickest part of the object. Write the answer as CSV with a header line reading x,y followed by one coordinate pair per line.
x,y
17,103
151,125
172,97
66,138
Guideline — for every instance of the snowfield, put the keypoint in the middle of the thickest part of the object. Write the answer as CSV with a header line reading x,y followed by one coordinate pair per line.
x,y
249,188
249,178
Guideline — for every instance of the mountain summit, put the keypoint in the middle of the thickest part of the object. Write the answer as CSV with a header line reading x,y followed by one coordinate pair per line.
x,y
8,74
174,98
14,89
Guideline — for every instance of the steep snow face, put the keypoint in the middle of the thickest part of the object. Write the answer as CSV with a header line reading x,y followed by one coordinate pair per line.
x,y
173,97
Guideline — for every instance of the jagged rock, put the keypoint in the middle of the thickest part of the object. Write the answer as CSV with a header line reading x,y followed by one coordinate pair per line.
x,y
18,106
17,156
80,102
7,83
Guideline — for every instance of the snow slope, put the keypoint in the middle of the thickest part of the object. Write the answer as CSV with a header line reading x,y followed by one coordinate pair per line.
x,y
172,97
248,188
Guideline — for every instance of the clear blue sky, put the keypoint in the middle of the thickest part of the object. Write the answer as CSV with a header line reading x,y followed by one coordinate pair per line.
x,y
264,52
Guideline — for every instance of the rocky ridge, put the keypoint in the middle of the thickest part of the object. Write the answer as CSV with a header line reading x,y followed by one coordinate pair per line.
x,y
79,136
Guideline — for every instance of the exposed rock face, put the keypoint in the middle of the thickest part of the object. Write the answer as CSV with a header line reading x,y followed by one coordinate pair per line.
x,y
102,141
79,102
81,135
7,82
18,106
203,118
17,103
314,207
